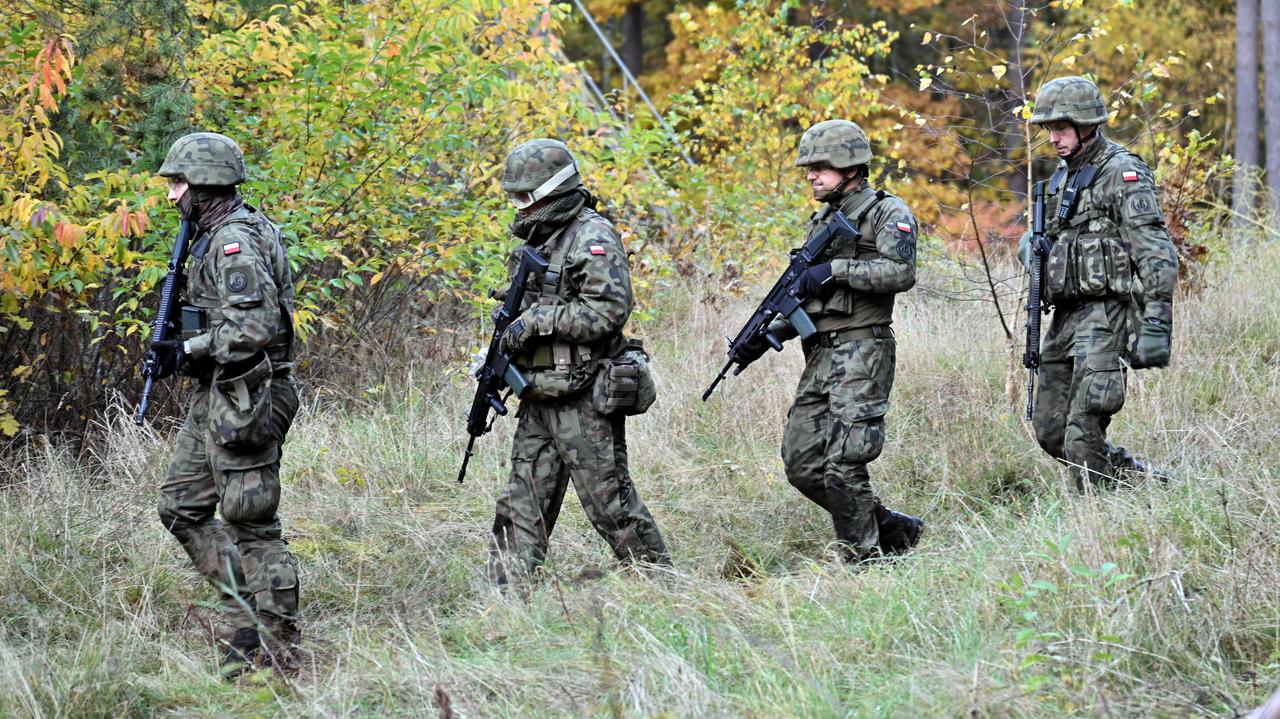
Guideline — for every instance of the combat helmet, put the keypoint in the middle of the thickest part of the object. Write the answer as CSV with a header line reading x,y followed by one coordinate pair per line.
x,y
205,158
839,143
537,169
1073,99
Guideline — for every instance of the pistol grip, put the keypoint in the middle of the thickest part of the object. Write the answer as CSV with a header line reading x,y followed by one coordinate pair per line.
x,y
800,320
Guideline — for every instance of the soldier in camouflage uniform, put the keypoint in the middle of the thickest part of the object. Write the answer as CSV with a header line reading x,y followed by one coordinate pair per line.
x,y
836,425
237,345
1110,275
572,318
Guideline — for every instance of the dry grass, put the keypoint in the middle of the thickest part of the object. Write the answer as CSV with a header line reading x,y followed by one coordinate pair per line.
x,y
1024,600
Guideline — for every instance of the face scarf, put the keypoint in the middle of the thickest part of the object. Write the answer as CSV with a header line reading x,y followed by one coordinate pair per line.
x,y
535,227
207,205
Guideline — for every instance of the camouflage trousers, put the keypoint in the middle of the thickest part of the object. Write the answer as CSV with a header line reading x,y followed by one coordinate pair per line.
x,y
557,443
1081,385
835,427
243,556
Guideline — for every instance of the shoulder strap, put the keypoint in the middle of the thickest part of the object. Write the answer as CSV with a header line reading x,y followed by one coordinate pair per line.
x,y
563,244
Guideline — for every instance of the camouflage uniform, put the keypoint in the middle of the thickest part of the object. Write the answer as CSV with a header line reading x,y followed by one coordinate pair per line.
x,y
228,451
1110,275
836,424
572,318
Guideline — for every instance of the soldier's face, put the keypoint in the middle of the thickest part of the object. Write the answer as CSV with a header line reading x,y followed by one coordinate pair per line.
x,y
1063,137
823,179
177,188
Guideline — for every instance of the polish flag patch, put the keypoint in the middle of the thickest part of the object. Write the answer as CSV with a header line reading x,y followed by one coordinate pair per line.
x,y
904,227
231,248
1130,176
596,249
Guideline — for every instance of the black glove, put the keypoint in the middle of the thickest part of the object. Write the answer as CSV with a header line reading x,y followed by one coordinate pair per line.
x,y
752,350
514,338
169,356
816,281
1153,346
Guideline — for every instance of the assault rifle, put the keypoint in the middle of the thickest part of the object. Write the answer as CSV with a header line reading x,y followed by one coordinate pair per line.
x,y
1035,294
785,299
497,373
163,328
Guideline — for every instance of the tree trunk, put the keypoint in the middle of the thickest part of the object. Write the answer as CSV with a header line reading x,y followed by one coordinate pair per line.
x,y
633,38
1271,73
1015,125
1247,144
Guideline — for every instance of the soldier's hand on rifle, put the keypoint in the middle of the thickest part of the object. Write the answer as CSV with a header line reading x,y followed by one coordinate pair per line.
x,y
1153,346
816,281
533,322
170,354
752,350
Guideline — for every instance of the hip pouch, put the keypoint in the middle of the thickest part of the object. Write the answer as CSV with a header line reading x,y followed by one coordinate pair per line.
x,y
625,383
240,404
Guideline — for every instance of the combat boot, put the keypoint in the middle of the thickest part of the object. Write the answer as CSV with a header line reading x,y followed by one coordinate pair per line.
x,y
242,653
898,532
281,640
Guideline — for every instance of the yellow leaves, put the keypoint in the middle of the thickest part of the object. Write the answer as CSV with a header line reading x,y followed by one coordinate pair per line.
x,y
928,38
999,70
8,425
1159,70
925,82
1069,61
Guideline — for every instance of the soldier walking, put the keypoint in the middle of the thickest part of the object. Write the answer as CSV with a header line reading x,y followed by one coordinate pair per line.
x,y
572,320
1110,274
836,424
240,301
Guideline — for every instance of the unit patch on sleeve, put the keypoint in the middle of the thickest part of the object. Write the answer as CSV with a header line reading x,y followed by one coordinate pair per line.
x,y
906,246
241,286
596,249
231,248
1130,176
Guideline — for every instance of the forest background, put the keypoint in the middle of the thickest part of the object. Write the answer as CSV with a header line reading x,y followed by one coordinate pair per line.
x,y
375,133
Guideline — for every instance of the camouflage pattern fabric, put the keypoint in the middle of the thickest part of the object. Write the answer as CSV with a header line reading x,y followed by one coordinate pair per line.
x,y
839,143
244,555
1111,266
205,158
560,436
536,161
835,428
240,275
866,274
1073,99
836,424
555,444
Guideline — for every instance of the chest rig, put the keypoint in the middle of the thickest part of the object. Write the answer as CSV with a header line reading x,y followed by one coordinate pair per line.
x,y
1089,259
550,290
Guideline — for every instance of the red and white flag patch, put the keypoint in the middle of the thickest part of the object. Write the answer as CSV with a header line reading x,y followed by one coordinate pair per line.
x,y
596,249
231,248
1130,176
904,227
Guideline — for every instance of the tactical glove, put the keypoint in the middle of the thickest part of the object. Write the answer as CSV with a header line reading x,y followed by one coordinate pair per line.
x,y
816,281
753,350
532,323
1153,346
517,334
170,356
1024,249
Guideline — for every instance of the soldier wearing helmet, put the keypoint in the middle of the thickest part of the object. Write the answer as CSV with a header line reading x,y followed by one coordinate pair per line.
x,y
836,425
237,343
568,336
1109,275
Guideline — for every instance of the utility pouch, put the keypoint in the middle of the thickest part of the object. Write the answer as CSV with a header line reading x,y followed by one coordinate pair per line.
x,y
240,405
625,383
193,321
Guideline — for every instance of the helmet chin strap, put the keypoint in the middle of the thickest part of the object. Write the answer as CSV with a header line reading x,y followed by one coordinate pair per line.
x,y
1080,141
838,191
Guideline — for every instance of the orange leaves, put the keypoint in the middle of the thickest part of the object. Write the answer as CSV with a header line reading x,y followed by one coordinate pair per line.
x,y
67,234
53,68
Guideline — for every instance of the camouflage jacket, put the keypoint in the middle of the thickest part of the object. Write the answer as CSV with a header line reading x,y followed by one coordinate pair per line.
x,y
1113,242
585,299
239,273
868,273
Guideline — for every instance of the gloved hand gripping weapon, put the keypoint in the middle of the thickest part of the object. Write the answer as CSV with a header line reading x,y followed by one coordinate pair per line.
x,y
164,328
497,373
785,299
1035,294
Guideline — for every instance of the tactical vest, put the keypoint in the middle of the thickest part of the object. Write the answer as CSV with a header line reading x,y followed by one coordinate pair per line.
x,y
1089,258
280,347
549,289
845,307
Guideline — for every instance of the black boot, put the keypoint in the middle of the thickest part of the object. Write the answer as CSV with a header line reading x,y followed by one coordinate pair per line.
x,y
898,532
242,653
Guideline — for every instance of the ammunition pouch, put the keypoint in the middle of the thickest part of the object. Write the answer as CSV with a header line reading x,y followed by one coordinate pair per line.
x,y
1088,265
625,384
240,404
193,321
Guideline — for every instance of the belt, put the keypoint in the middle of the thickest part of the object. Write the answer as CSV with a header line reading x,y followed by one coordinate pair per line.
x,y
839,337
206,380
